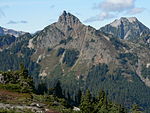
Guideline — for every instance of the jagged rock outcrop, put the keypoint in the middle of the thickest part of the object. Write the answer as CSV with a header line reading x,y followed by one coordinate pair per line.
x,y
69,19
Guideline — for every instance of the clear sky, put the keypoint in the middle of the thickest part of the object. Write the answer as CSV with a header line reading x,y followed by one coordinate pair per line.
x,y
34,15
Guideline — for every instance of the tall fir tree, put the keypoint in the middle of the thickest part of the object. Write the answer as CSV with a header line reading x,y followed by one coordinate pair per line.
x,y
58,90
102,105
86,103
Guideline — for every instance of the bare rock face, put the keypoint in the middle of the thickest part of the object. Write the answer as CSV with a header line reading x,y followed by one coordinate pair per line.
x,y
53,34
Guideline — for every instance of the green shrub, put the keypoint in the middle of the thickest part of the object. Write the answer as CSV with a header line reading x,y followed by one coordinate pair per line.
x,y
12,87
133,58
49,49
65,41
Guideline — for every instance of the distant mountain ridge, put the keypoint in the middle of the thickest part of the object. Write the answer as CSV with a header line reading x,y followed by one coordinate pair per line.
x,y
126,28
4,31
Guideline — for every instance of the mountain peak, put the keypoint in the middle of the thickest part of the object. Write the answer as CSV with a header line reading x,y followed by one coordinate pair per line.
x,y
68,18
126,28
130,19
118,22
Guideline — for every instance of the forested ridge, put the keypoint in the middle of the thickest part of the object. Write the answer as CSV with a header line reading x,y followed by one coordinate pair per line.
x,y
20,81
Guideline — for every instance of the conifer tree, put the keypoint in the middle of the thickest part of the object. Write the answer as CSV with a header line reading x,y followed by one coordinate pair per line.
x,y
86,103
58,90
102,103
78,97
25,81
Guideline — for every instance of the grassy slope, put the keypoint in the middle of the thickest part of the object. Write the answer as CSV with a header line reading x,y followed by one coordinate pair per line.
x,y
51,104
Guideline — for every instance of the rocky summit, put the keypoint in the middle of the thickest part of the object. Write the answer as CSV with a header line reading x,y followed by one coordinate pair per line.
x,y
114,58
126,28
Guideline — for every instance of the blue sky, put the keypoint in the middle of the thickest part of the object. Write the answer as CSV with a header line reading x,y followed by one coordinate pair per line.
x,y
34,15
